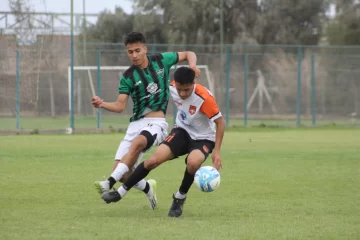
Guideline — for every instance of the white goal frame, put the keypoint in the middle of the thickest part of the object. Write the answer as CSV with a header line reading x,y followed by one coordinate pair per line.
x,y
208,75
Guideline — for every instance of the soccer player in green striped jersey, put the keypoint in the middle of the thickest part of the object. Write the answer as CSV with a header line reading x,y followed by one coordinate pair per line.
x,y
146,81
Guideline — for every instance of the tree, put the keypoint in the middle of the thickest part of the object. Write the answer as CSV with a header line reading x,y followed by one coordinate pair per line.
x,y
270,22
291,22
25,30
198,22
111,27
344,29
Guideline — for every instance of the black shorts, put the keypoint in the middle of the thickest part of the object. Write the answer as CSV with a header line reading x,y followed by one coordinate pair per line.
x,y
180,143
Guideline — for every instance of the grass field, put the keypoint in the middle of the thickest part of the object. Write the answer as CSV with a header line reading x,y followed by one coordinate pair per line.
x,y
283,184
121,121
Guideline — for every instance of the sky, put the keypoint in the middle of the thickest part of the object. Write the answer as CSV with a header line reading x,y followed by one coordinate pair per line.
x,y
64,6
91,6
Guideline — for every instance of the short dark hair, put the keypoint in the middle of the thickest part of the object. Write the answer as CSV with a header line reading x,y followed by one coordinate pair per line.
x,y
134,37
184,75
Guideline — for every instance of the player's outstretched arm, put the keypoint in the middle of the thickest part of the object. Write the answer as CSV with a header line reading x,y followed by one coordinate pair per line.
x,y
117,106
191,58
220,129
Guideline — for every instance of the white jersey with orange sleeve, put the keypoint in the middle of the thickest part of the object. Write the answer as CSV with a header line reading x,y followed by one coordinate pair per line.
x,y
197,113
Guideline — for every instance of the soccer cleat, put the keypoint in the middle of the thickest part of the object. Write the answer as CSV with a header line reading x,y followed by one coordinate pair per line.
x,y
176,208
151,195
102,186
111,197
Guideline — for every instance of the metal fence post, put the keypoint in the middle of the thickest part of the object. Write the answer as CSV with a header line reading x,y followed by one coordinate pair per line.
x,y
227,77
154,49
313,91
99,86
72,122
298,108
246,74
17,89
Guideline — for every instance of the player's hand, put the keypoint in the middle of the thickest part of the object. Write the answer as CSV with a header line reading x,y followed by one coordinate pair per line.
x,y
216,160
196,70
97,101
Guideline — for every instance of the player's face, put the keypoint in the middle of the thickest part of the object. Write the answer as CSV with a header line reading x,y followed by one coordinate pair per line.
x,y
137,53
184,90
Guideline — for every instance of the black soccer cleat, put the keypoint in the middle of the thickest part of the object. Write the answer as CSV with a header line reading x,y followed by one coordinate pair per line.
x,y
111,197
176,208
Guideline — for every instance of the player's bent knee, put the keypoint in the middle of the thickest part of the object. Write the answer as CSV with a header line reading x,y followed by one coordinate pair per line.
x,y
193,165
150,139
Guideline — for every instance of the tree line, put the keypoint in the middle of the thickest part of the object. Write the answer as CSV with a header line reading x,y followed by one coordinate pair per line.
x,y
300,22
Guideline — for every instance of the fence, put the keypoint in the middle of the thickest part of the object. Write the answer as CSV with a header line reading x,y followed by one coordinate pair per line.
x,y
254,85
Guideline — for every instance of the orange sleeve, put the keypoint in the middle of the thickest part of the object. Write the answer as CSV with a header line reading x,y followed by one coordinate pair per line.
x,y
210,107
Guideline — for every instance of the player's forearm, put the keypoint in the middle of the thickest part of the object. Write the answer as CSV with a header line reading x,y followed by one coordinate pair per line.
x,y
112,107
191,58
220,129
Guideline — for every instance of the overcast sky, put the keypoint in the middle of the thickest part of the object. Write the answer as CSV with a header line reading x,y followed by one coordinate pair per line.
x,y
91,6
63,6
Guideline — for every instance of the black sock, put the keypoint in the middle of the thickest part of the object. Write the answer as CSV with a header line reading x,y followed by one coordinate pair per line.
x,y
186,182
139,173
147,188
111,181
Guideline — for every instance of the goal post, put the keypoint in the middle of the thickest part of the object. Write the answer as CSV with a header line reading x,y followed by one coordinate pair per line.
x,y
88,69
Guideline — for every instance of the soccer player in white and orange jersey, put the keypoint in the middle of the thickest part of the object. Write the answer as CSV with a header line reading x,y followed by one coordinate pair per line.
x,y
194,134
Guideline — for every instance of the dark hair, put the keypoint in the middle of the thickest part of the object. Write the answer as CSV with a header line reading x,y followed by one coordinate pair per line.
x,y
184,75
134,37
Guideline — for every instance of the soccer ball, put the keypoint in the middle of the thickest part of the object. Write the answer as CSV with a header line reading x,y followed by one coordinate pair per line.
x,y
207,179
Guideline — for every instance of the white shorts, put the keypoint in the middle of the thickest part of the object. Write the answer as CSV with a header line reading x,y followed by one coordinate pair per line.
x,y
157,126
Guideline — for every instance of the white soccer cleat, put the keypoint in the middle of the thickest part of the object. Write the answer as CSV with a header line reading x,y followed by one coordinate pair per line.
x,y
151,195
102,186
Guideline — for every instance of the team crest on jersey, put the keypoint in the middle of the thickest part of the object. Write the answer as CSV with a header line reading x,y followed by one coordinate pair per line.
x,y
192,109
152,87
160,72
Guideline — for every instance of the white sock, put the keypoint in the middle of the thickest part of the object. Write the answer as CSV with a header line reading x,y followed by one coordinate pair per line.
x,y
178,195
119,171
122,191
140,185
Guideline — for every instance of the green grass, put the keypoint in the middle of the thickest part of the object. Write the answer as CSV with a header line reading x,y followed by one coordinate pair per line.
x,y
121,121
283,184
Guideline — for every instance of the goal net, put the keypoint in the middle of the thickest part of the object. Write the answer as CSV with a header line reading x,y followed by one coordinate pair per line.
x,y
104,80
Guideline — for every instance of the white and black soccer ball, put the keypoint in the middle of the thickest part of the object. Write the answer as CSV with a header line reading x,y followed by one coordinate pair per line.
x,y
207,179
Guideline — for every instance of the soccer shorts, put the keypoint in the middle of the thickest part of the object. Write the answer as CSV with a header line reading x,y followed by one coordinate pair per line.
x,y
157,127
180,143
